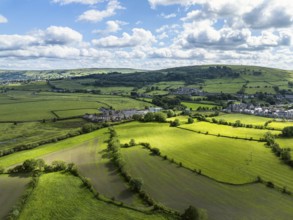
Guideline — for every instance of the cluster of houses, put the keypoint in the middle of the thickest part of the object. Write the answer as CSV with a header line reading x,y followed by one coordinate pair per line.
x,y
187,91
271,111
107,115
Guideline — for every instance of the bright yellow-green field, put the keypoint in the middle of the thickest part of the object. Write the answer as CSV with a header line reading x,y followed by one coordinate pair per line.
x,y
230,131
279,124
61,196
225,159
194,106
245,119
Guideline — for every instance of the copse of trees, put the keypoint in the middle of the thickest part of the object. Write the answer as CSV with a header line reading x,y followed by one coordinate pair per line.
x,y
287,131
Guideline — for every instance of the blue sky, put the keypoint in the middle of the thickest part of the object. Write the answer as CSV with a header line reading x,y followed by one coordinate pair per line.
x,y
146,34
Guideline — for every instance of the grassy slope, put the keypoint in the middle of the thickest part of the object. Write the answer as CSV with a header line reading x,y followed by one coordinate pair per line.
x,y
216,129
60,196
245,119
194,106
19,157
25,133
93,162
279,124
225,159
11,189
30,106
178,188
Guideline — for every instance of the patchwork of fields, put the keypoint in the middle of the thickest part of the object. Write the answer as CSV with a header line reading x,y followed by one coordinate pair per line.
x,y
224,159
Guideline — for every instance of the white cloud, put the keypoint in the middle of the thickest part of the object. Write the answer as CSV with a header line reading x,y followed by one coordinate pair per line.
x,y
59,35
139,37
85,2
94,15
168,16
3,19
112,27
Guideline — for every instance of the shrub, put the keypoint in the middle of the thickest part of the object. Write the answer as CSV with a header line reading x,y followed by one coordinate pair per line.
x,y
156,151
192,213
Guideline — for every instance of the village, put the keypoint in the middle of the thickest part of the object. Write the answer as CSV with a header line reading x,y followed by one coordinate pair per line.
x,y
274,111
108,115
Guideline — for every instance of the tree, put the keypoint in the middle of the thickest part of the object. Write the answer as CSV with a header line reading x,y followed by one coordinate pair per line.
x,y
190,120
170,113
175,123
160,117
288,131
132,142
285,155
269,138
135,184
149,117
137,117
193,213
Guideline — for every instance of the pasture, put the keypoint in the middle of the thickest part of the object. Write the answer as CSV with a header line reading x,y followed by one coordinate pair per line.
x,y
31,106
12,135
195,106
280,124
224,159
93,162
19,157
61,196
178,188
230,131
245,119
11,190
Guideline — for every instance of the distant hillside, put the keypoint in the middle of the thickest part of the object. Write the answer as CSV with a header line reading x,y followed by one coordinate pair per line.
x,y
12,75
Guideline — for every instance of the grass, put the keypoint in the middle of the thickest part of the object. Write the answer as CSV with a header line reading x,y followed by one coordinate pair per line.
x,y
195,106
94,163
61,196
11,189
225,88
12,135
224,159
245,119
28,106
280,125
76,112
21,156
178,188
216,129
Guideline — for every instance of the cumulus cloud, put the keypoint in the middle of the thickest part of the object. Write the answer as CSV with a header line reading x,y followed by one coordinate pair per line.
x,y
59,35
85,2
139,36
3,19
94,15
112,27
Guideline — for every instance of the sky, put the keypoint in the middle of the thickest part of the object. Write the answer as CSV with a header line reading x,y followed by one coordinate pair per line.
x,y
145,34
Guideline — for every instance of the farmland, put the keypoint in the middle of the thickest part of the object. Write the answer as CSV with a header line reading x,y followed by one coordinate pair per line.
x,y
11,190
176,187
64,192
245,119
244,160
229,170
223,130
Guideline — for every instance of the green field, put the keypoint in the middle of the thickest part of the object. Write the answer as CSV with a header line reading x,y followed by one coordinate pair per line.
x,y
28,106
280,125
178,188
11,190
230,131
12,135
195,106
65,198
93,162
224,159
245,119
21,156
